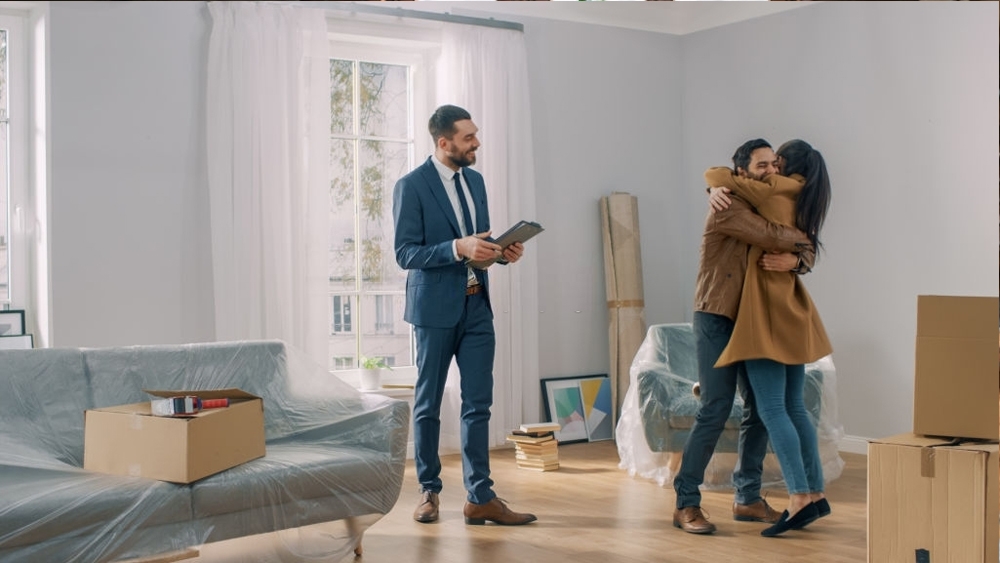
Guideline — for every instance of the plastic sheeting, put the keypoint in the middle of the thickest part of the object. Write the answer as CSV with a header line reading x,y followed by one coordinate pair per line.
x,y
334,456
660,407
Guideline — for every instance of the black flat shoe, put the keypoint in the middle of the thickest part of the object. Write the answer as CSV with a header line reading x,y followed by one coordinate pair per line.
x,y
802,518
822,509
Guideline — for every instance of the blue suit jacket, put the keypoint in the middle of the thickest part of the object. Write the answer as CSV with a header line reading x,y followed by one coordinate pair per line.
x,y
426,225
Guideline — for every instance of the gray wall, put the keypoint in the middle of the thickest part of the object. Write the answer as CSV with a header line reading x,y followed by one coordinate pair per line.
x,y
898,97
606,103
130,251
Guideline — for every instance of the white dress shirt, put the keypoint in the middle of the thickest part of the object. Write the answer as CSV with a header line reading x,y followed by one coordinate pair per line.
x,y
448,179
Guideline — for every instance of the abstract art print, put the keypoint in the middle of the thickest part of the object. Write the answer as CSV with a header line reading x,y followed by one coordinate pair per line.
x,y
581,405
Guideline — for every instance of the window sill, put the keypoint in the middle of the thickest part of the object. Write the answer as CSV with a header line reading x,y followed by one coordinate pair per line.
x,y
401,376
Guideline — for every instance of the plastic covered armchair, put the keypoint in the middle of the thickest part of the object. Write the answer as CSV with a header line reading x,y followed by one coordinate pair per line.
x,y
659,410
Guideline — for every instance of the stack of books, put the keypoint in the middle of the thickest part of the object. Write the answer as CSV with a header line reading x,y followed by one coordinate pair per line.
x,y
536,446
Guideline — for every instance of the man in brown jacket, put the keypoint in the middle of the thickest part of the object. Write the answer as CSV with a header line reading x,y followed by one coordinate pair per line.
x,y
729,233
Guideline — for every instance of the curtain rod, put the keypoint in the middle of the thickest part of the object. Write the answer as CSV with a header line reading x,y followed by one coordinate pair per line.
x,y
416,14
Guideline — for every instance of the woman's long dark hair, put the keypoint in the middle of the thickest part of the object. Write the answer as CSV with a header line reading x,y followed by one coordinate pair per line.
x,y
800,158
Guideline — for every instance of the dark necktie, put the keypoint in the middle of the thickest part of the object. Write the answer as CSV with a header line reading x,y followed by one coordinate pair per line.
x,y
466,216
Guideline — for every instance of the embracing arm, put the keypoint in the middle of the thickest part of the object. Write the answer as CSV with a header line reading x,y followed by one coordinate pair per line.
x,y
753,191
741,222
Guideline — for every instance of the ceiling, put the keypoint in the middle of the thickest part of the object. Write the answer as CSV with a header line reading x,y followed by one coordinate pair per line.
x,y
676,17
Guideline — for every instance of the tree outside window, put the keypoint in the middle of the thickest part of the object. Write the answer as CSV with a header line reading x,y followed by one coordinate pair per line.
x,y
371,146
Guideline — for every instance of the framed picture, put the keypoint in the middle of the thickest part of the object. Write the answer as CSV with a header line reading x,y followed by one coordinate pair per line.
x,y
11,323
17,342
581,405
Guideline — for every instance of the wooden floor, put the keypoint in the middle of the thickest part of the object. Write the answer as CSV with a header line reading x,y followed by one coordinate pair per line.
x,y
589,511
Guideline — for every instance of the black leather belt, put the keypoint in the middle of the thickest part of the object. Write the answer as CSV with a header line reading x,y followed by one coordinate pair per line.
x,y
473,289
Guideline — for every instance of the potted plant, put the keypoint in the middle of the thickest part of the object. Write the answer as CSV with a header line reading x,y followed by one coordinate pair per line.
x,y
371,370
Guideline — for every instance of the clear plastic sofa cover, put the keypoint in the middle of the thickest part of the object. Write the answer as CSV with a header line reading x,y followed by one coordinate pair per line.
x,y
333,465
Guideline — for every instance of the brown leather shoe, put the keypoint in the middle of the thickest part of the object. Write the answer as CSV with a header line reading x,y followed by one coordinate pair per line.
x,y
691,520
495,511
758,511
427,510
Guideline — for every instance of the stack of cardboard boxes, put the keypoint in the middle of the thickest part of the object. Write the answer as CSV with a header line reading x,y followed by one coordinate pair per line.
x,y
933,494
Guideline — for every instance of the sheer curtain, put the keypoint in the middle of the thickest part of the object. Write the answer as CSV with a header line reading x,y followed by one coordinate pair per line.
x,y
485,71
268,120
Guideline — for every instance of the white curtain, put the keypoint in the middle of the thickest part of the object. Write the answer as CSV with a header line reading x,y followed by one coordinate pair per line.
x,y
484,70
268,119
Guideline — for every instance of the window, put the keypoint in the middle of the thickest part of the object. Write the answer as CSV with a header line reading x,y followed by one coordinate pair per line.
x,y
343,362
341,314
374,90
4,179
13,167
384,318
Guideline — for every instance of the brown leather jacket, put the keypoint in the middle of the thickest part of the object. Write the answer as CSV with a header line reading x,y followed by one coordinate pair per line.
x,y
724,245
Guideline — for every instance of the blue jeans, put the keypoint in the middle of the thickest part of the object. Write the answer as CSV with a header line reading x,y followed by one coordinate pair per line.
x,y
718,389
779,391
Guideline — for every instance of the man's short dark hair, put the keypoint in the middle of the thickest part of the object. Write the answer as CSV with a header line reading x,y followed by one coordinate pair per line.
x,y
741,158
442,123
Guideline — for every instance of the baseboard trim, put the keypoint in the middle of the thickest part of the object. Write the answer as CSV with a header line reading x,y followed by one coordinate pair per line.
x,y
854,445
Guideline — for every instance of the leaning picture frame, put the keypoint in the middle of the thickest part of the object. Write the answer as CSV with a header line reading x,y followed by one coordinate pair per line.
x,y
17,342
581,405
12,322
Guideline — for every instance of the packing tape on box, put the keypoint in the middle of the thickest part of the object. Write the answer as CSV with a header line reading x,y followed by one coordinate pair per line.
x,y
927,462
135,421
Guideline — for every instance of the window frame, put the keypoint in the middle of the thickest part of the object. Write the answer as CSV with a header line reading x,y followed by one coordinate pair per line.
x,y
417,47
19,194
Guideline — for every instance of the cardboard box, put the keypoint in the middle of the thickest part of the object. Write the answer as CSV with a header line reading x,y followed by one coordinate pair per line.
x,y
955,359
129,440
932,501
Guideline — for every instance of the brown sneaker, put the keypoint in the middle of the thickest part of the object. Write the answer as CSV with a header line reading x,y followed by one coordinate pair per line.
x,y
691,520
495,511
758,511
427,510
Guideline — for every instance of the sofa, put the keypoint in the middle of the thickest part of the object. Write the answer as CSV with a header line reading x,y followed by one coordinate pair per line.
x,y
660,407
332,454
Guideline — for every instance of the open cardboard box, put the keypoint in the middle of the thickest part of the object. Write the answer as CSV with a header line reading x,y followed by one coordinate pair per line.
x,y
955,358
129,440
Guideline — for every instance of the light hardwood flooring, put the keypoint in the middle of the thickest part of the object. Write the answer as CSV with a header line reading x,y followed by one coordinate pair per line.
x,y
590,511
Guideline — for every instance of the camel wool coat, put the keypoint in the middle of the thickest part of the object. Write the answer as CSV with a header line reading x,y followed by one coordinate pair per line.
x,y
777,319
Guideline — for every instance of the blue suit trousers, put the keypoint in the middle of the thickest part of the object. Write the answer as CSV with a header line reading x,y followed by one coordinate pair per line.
x,y
472,342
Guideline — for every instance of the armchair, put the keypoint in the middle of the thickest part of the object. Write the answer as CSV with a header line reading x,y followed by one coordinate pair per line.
x,y
659,411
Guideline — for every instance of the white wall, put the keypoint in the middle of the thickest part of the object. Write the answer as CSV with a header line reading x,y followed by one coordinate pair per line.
x,y
130,251
898,97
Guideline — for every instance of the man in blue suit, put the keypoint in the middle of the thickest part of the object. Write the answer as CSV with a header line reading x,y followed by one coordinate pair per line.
x,y
442,225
